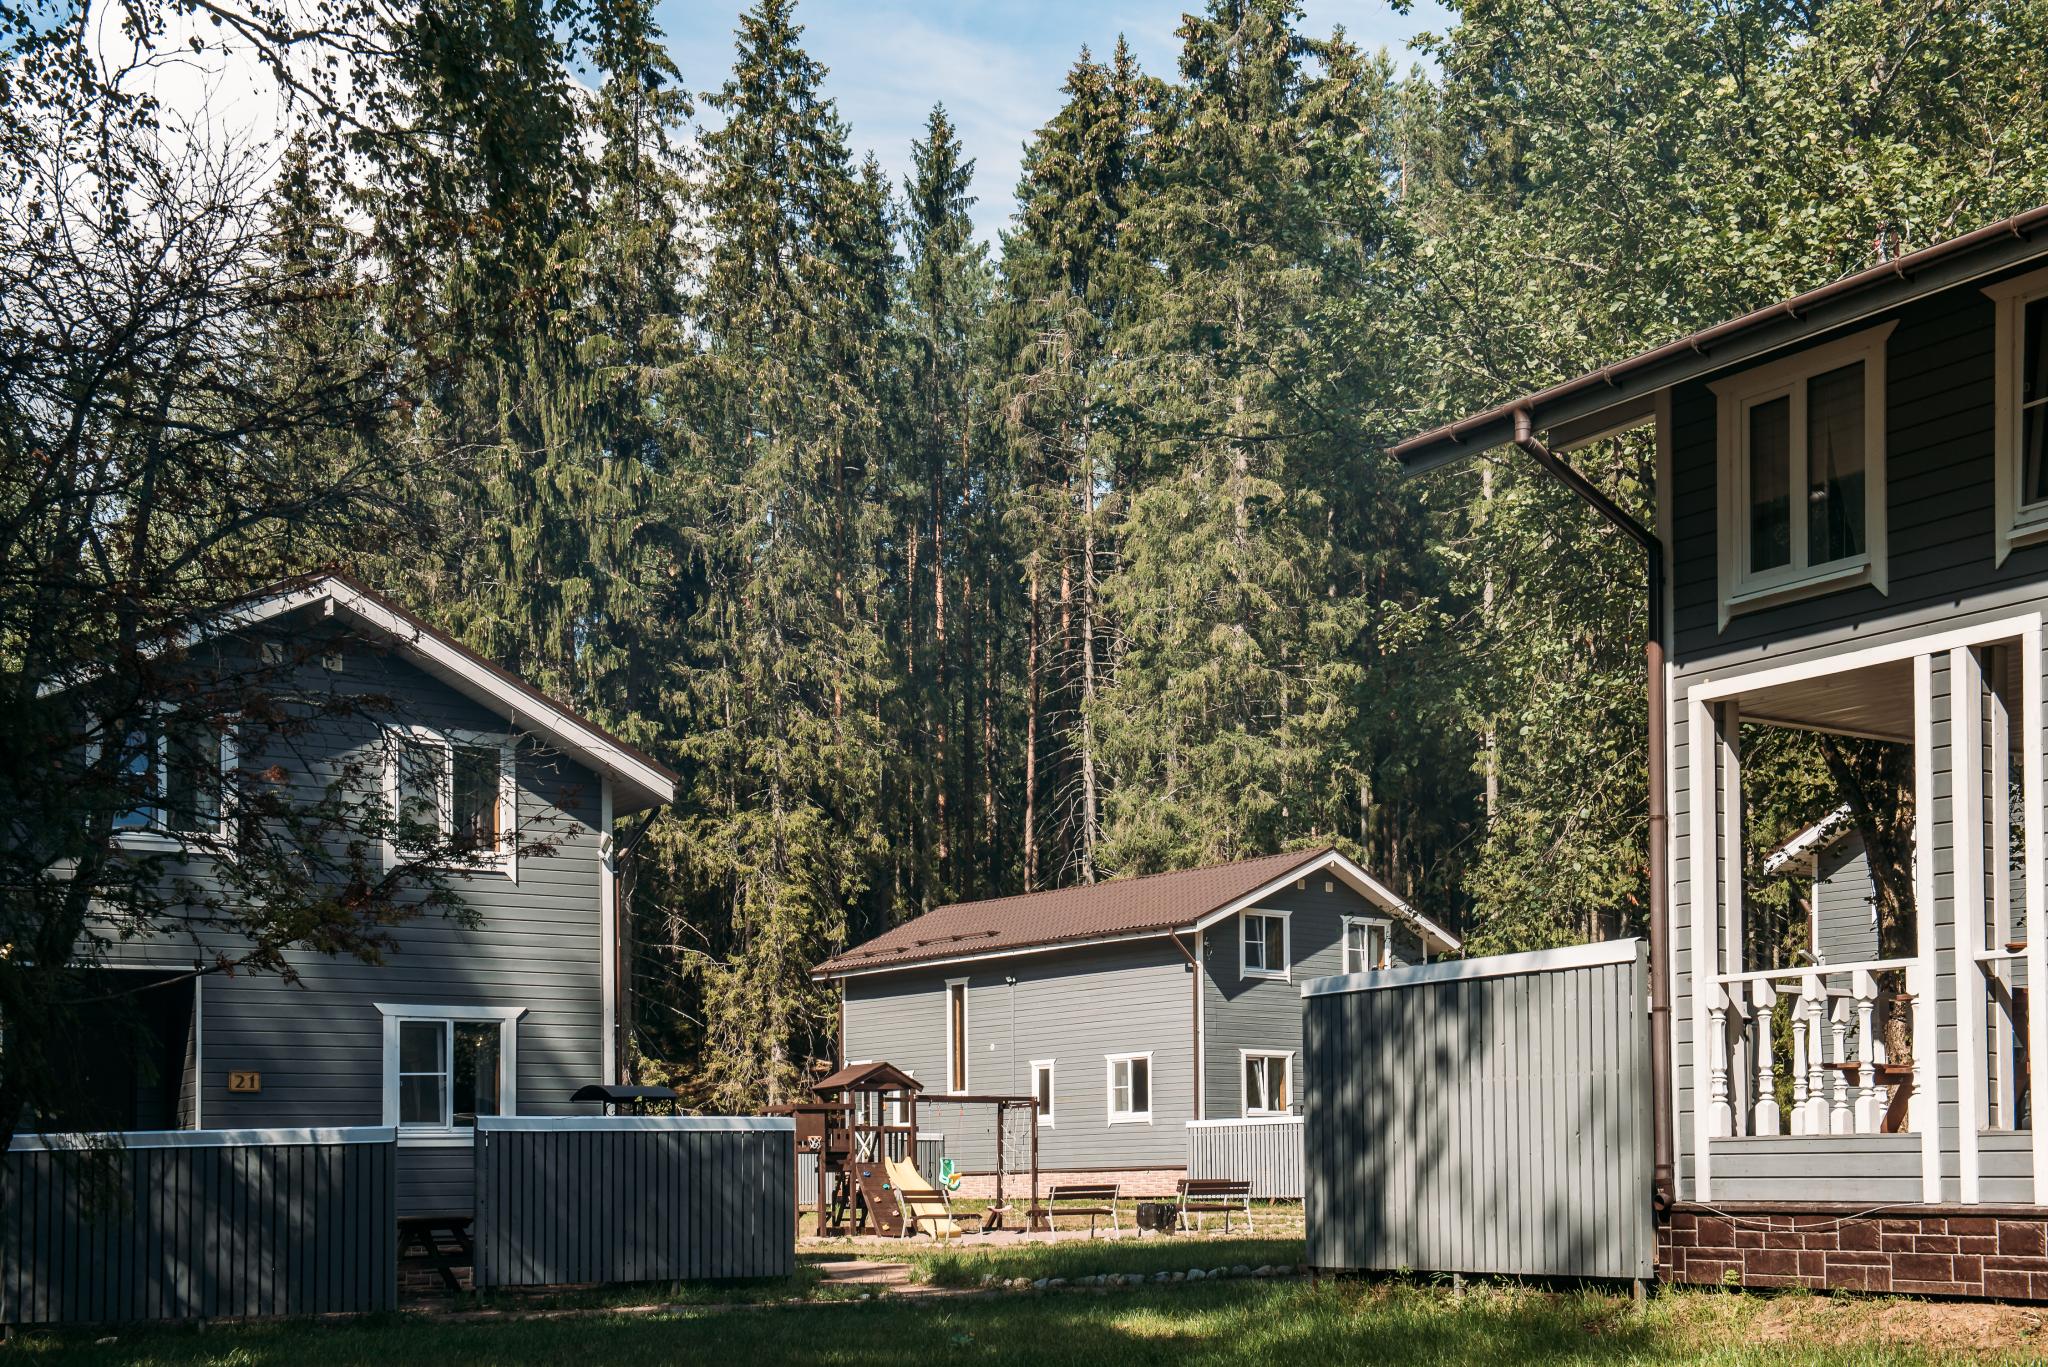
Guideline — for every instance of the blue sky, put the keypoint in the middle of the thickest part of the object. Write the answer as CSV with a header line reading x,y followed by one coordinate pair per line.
x,y
996,64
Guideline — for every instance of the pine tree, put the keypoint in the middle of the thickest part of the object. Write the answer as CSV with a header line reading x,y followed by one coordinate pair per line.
x,y
1227,724
785,670
1072,282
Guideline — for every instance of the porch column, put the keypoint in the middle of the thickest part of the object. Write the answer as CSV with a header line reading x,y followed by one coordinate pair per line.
x,y
2037,891
1926,1106
1966,827
1703,750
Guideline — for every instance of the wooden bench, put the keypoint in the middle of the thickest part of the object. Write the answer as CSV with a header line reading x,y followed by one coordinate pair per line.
x,y
1198,1196
1092,1199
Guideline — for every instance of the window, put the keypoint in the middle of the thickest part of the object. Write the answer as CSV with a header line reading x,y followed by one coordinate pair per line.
x,y
1042,1088
446,1065
956,1035
2020,428
1268,1082
1130,1088
1802,492
453,790
1265,945
179,767
1365,944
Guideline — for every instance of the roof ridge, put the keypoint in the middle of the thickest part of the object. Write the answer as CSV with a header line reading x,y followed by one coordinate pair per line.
x,y
1119,882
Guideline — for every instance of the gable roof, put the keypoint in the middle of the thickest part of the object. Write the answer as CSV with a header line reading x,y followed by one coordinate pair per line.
x,y
1619,396
1121,909
867,1077
639,781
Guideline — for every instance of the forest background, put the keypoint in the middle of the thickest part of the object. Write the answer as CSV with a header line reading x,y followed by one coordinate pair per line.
x,y
939,571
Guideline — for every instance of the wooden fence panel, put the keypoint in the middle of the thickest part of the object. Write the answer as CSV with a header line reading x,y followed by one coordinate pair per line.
x,y
573,1199
1266,1152
1482,1116
197,1224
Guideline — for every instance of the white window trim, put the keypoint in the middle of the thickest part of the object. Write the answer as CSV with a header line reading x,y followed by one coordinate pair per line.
x,y
506,858
1245,1056
508,1065
1742,591
1285,973
956,1085
1052,1106
1116,1117
2018,524
157,836
1386,928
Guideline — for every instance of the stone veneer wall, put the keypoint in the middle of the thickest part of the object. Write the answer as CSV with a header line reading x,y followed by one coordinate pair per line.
x,y
1984,1251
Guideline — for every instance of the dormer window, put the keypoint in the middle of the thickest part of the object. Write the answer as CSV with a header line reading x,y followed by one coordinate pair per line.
x,y
2020,428
1802,492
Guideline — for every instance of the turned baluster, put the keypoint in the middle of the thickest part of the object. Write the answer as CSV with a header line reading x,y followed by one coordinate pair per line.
x,y
1813,999
1869,1104
1841,1118
1767,1118
1797,1064
1720,1114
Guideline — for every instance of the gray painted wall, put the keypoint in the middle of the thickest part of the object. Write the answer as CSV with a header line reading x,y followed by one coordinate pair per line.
x,y
1264,1013
1074,1007
1939,473
1078,1006
319,1043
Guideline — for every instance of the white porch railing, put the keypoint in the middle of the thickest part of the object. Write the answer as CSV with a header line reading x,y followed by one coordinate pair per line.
x,y
1841,1081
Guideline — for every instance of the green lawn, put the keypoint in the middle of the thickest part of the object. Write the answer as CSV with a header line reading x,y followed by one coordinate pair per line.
x,y
1224,1323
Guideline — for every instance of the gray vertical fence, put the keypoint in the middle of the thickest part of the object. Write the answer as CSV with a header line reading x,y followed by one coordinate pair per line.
x,y
570,1199
198,1224
1265,1151
1482,1115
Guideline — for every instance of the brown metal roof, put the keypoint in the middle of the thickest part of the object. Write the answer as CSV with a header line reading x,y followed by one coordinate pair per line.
x,y
867,1077
1123,906
1832,305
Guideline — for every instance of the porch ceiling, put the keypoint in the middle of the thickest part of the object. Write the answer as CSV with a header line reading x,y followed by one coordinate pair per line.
x,y
1876,702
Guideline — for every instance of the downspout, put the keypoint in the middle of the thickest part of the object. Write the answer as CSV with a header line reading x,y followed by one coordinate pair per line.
x,y
1662,1179
1194,1015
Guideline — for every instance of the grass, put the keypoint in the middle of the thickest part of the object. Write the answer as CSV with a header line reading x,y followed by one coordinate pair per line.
x,y
1082,1258
1203,1325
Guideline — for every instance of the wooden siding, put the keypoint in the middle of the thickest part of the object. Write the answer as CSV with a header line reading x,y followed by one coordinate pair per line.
x,y
1485,1124
1074,1007
1264,1014
319,1043
1845,927
1843,1167
633,1199
1265,1152
235,1225
1939,510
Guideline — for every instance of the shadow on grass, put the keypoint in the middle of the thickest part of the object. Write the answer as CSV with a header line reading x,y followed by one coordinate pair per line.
x,y
1076,1258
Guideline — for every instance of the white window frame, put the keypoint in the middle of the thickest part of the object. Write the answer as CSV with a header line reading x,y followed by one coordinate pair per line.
x,y
505,859
956,1051
1244,1057
2019,523
1052,1091
1742,590
1284,973
1116,1117
507,1017
157,835
1386,929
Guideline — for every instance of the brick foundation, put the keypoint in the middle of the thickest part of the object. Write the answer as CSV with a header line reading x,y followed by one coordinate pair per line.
x,y
1136,1182
1999,1253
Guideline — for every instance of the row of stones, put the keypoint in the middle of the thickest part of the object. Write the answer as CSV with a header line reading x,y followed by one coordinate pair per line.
x,y
1193,1274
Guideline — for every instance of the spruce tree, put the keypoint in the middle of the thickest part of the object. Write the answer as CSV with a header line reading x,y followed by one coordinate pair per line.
x,y
784,667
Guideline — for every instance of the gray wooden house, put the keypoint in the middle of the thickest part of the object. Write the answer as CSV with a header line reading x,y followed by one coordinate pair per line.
x,y
508,1016
1128,1008
1850,536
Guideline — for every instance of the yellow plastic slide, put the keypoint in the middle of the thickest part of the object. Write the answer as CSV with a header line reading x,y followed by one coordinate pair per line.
x,y
922,1202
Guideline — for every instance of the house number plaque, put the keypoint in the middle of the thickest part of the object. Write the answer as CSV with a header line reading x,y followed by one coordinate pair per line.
x,y
245,1080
